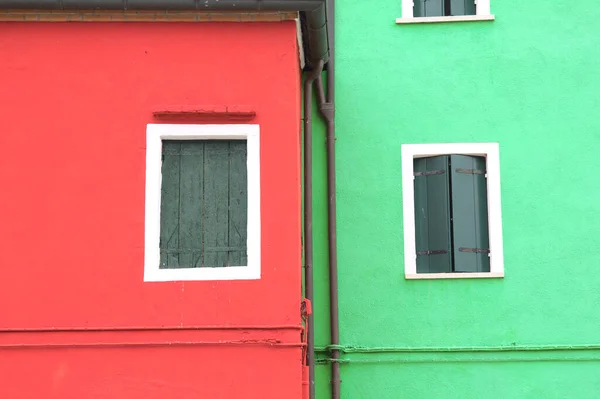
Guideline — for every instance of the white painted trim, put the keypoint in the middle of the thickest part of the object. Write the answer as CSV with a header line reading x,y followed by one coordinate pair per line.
x,y
437,276
407,9
155,134
300,43
492,153
454,18
482,9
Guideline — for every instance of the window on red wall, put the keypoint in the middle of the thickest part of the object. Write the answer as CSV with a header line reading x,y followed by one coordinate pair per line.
x,y
202,202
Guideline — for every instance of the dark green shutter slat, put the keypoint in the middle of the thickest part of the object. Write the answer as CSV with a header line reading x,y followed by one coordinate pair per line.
x,y
432,215
190,203
434,8
216,203
470,214
470,7
462,7
169,205
428,8
418,8
238,203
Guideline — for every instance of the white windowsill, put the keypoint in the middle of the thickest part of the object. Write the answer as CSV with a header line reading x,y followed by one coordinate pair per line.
x,y
457,18
432,276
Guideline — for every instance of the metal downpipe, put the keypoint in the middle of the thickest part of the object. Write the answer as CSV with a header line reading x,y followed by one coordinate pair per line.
x,y
328,111
308,215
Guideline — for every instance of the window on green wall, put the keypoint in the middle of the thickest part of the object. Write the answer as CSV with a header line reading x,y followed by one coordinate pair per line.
x,y
453,228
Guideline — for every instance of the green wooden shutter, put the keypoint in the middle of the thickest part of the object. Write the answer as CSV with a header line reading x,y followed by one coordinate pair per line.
x,y
203,204
432,215
191,160
462,7
216,202
428,8
434,8
238,203
469,214
418,8
169,205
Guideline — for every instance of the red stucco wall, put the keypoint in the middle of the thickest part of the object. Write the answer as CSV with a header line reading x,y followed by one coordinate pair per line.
x,y
75,99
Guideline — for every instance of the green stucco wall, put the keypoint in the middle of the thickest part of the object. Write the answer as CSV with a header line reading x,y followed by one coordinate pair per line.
x,y
529,80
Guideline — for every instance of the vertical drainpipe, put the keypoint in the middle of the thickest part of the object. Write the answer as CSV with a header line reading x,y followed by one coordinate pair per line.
x,y
327,109
308,215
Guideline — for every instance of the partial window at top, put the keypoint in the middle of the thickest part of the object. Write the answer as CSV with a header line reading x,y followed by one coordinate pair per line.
x,y
443,8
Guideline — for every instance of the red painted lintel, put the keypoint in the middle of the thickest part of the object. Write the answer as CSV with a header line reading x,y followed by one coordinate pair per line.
x,y
214,112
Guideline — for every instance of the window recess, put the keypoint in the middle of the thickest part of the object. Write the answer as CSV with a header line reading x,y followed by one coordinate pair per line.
x,y
204,207
451,214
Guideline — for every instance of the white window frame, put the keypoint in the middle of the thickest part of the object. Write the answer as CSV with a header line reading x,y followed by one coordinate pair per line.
x,y
155,134
492,154
482,8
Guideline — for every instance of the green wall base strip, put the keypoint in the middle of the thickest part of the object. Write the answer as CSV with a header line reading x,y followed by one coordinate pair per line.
x,y
483,354
459,360
500,348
